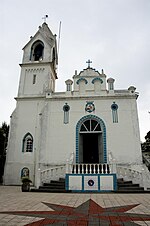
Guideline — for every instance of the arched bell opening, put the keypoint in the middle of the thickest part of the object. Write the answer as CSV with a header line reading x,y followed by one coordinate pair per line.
x,y
37,51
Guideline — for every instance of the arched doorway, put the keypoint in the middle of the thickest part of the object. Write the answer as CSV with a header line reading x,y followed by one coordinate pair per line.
x,y
91,140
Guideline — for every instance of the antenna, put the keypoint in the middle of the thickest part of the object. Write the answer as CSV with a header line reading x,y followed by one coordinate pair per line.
x,y
59,36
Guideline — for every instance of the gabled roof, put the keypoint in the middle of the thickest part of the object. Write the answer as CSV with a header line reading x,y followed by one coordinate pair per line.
x,y
46,34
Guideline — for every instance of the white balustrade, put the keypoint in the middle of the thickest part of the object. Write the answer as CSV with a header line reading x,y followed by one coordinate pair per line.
x,y
141,177
90,169
53,173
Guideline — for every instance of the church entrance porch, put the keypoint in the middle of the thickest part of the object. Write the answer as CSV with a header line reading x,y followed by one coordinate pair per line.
x,y
91,171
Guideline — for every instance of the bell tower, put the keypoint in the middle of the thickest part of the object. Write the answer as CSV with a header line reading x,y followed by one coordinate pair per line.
x,y
39,64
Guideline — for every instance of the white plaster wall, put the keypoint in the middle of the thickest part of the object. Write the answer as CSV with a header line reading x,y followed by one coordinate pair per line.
x,y
25,119
43,80
12,174
122,137
54,141
60,136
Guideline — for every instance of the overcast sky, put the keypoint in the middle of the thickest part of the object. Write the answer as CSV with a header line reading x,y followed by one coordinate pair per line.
x,y
114,34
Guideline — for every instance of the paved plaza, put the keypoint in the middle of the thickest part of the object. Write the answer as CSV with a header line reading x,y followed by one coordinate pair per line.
x,y
26,208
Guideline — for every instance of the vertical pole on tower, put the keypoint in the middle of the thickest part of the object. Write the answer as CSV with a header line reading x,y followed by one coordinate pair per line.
x,y
59,36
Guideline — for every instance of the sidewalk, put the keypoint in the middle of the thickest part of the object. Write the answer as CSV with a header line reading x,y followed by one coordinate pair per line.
x,y
72,208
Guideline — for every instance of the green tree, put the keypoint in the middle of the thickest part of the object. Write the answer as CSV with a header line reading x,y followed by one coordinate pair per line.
x,y
4,130
146,145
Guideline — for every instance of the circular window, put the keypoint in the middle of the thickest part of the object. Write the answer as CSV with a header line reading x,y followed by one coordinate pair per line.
x,y
114,107
66,107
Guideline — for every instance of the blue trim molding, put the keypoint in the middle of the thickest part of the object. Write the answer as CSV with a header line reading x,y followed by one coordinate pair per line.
x,y
81,79
97,79
103,128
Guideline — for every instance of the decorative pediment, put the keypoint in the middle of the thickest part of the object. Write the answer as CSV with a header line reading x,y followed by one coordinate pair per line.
x,y
89,72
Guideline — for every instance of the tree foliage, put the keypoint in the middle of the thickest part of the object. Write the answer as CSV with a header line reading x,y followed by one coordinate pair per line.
x,y
4,130
146,145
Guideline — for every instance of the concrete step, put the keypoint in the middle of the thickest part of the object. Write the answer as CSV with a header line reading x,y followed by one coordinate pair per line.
x,y
128,186
53,186
62,179
124,182
133,188
50,186
49,190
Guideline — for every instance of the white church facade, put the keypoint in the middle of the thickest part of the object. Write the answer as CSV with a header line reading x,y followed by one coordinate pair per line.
x,y
89,123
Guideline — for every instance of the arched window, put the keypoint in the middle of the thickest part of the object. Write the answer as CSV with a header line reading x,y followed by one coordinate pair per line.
x,y
90,126
37,51
27,143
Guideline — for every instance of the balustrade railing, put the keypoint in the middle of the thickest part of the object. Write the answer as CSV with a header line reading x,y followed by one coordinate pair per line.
x,y
53,173
90,169
141,177
129,174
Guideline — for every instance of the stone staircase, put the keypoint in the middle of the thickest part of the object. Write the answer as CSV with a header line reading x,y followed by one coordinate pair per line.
x,y
53,186
128,187
59,187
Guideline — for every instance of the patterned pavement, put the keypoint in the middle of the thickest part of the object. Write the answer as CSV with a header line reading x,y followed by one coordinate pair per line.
x,y
107,209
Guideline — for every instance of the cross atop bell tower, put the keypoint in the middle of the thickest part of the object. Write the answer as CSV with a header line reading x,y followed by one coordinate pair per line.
x,y
44,18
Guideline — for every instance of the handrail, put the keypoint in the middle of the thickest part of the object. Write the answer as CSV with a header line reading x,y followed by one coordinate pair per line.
x,y
141,177
52,173
93,168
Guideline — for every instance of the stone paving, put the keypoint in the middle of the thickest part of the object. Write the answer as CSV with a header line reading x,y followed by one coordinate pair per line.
x,y
72,208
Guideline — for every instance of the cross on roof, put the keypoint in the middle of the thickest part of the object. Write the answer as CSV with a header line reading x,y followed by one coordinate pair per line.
x,y
88,62
44,18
